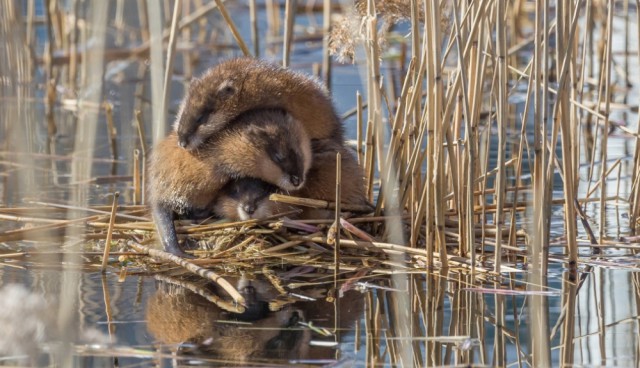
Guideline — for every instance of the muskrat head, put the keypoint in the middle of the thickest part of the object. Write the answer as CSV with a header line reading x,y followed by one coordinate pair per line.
x,y
206,108
288,152
244,199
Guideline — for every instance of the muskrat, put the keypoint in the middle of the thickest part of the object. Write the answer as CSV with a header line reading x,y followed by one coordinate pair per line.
x,y
248,198
266,144
235,86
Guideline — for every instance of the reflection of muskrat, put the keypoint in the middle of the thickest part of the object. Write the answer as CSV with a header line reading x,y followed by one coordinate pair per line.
x,y
267,144
197,328
238,85
247,198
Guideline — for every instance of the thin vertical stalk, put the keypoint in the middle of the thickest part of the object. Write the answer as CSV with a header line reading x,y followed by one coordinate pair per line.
x,y
470,151
253,19
107,242
144,20
635,197
168,71
336,223
289,16
502,116
605,129
430,127
326,30
359,150
540,194
112,135
137,188
31,13
565,33
540,350
143,147
73,46
388,183
435,87
84,146
156,70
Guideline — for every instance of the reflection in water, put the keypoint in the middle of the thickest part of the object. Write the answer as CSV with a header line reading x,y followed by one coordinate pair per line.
x,y
193,328
30,333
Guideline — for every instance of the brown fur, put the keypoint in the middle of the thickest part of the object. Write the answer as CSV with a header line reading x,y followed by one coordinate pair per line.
x,y
176,317
184,180
320,184
235,86
267,144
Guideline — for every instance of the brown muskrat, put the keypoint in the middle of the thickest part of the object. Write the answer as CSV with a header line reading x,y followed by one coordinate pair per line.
x,y
266,144
236,86
248,198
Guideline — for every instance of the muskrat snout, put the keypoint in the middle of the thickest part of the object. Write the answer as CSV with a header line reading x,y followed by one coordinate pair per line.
x,y
295,180
249,208
183,142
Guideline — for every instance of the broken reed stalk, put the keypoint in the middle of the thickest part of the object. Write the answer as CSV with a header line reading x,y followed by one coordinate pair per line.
x,y
232,27
318,203
208,295
144,148
107,242
141,134
137,188
107,307
207,274
112,134
43,230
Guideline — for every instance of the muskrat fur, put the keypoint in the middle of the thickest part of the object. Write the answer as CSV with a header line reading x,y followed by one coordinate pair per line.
x,y
236,86
266,144
247,198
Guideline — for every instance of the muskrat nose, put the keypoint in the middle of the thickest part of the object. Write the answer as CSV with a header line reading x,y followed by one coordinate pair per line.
x,y
295,180
183,142
249,208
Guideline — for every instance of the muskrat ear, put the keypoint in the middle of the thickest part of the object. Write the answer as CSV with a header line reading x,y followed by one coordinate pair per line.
x,y
257,131
226,88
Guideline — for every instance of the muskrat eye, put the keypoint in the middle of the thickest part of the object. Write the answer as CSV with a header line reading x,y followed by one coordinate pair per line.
x,y
226,89
200,119
278,158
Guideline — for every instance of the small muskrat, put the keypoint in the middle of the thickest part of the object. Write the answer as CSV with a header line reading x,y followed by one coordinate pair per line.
x,y
244,199
248,198
267,144
235,86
